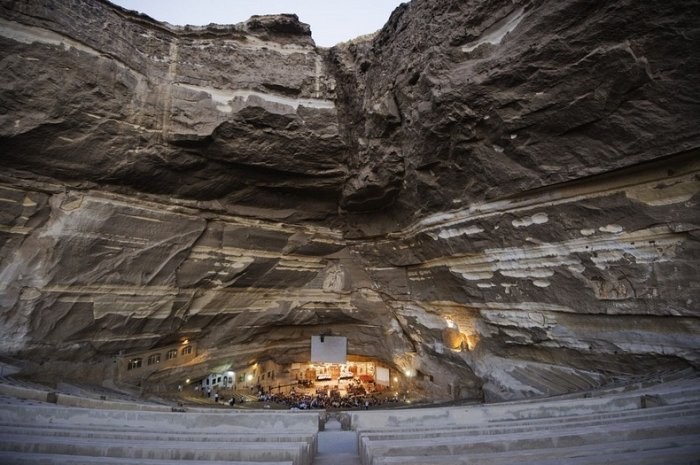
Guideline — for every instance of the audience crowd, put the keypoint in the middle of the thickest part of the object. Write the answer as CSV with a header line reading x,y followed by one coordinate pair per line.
x,y
305,396
323,399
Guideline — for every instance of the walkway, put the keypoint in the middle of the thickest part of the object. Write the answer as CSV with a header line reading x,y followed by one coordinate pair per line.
x,y
336,447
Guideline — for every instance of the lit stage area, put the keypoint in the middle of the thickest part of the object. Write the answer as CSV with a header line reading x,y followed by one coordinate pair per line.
x,y
358,376
328,378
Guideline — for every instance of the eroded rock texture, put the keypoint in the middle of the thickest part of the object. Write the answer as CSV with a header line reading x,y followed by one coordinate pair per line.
x,y
502,195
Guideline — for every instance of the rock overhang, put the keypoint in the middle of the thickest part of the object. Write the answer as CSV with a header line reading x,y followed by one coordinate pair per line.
x,y
538,191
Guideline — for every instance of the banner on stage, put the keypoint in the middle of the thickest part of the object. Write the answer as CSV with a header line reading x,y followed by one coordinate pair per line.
x,y
329,349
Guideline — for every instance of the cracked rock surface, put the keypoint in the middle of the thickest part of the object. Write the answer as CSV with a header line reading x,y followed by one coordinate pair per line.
x,y
500,195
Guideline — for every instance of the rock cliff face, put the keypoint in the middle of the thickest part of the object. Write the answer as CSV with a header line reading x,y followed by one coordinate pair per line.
x,y
501,196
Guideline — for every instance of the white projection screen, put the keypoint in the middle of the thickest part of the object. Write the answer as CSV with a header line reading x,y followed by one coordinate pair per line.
x,y
329,349
382,376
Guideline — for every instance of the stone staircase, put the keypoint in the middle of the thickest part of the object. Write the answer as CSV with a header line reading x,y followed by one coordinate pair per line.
x,y
336,447
39,433
642,423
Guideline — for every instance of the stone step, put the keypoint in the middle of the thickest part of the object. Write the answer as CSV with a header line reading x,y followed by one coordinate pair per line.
x,y
22,458
547,422
366,446
529,426
337,459
686,455
686,379
670,380
679,429
556,408
662,451
29,430
224,421
127,434
297,452
455,416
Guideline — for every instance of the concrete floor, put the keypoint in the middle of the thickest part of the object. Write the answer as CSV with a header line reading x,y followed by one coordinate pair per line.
x,y
336,447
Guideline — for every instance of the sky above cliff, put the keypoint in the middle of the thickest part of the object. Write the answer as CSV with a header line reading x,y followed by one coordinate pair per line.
x,y
331,21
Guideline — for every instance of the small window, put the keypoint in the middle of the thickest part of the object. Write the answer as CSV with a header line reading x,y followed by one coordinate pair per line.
x,y
134,363
153,359
171,354
186,350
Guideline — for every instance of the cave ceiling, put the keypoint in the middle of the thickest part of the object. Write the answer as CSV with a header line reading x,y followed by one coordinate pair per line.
x,y
502,195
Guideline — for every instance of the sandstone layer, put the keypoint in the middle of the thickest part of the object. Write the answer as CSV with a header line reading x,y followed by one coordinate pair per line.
x,y
500,197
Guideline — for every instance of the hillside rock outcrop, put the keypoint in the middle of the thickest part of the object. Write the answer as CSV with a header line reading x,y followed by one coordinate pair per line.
x,y
500,197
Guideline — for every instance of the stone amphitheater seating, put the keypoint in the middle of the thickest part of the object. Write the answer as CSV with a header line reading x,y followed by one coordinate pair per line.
x,y
656,424
35,433
644,423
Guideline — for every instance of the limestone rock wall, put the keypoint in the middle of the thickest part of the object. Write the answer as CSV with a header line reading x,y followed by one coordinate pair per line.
x,y
239,112
480,100
498,198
